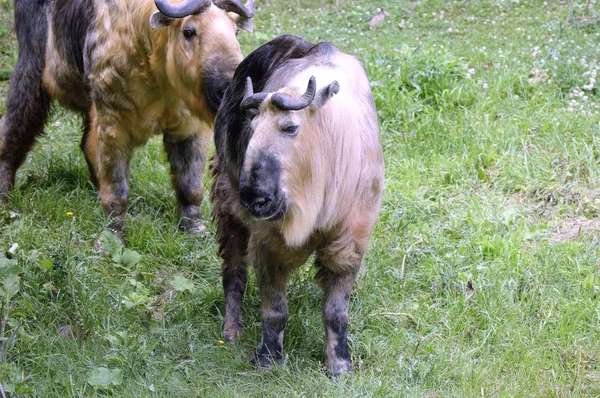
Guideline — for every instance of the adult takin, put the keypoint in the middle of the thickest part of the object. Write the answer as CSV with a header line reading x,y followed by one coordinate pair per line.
x,y
298,170
132,72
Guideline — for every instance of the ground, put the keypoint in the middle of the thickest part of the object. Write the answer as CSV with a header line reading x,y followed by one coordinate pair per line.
x,y
482,278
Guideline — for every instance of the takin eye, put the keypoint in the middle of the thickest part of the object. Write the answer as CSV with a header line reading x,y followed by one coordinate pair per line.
x,y
189,33
290,130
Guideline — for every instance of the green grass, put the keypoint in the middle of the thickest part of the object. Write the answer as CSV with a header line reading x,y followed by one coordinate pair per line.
x,y
483,275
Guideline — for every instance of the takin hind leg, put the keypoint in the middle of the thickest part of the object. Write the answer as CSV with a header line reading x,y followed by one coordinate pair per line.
x,y
27,107
337,284
187,158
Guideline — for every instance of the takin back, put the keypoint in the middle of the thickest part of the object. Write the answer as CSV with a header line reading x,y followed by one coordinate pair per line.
x,y
298,170
131,72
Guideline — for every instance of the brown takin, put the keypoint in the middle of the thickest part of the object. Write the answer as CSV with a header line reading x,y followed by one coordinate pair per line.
x,y
131,72
298,170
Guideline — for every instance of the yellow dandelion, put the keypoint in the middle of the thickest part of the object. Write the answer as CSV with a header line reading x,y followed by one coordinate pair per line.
x,y
69,213
221,342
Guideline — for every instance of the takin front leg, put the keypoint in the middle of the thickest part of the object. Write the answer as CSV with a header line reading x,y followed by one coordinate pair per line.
x,y
337,287
114,154
187,158
271,276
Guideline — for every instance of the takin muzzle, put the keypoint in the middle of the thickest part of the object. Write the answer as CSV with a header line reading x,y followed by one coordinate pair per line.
x,y
260,189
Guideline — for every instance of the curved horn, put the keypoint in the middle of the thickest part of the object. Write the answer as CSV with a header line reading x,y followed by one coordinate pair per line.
x,y
236,6
183,9
249,87
286,102
251,100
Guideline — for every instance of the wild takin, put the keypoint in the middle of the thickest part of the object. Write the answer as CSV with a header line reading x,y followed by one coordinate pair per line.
x,y
298,170
132,72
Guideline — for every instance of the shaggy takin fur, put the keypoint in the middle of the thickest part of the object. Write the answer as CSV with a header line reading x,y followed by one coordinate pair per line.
x,y
131,72
298,170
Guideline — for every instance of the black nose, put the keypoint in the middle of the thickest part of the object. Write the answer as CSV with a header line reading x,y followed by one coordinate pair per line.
x,y
255,200
260,190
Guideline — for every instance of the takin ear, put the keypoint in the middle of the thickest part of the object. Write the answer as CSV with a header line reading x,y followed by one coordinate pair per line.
x,y
242,23
325,93
160,20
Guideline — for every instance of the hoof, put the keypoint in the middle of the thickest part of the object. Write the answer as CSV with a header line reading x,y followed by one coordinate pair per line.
x,y
339,367
192,227
232,334
265,361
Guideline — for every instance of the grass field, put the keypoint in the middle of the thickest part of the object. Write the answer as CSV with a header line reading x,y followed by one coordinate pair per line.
x,y
483,276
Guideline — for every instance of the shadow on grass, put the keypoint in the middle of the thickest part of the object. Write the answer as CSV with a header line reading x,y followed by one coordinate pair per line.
x,y
62,174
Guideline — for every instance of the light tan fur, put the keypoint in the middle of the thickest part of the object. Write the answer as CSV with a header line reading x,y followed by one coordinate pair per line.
x,y
146,80
333,169
151,82
142,81
323,164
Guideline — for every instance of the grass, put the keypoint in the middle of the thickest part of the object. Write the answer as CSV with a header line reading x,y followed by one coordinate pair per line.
x,y
482,278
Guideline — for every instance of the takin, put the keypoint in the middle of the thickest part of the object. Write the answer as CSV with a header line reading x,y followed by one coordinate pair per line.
x,y
298,170
131,72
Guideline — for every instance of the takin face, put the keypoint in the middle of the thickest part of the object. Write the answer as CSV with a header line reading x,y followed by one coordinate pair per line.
x,y
202,50
281,124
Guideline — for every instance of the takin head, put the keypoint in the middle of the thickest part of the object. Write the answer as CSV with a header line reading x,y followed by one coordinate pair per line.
x,y
202,50
282,149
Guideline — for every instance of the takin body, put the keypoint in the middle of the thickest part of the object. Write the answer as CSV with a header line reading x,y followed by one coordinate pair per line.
x,y
131,72
297,171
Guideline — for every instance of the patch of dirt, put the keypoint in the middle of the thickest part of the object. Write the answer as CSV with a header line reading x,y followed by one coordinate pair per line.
x,y
575,229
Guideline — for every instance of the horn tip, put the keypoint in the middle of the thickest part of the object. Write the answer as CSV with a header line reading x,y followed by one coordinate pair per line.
x,y
249,86
250,7
334,87
312,84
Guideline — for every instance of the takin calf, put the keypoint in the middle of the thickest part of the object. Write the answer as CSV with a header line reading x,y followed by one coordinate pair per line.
x,y
132,72
297,171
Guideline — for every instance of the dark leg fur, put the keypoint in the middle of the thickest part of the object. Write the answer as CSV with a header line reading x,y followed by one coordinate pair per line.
x,y
233,240
114,184
337,288
187,158
28,101
272,278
